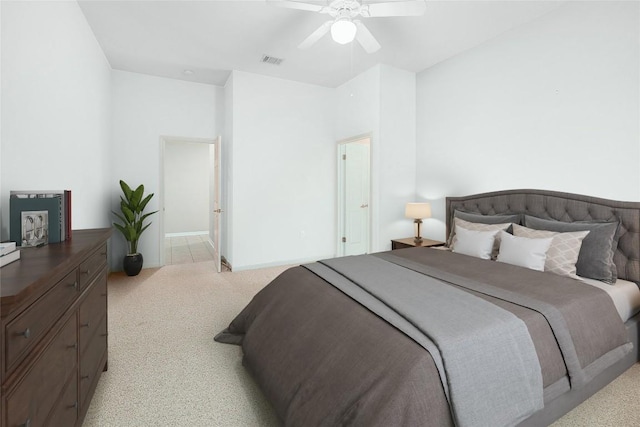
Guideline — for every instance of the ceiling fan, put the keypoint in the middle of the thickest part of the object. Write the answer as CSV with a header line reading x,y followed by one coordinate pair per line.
x,y
344,24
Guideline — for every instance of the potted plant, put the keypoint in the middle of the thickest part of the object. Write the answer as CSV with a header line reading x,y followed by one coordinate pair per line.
x,y
132,207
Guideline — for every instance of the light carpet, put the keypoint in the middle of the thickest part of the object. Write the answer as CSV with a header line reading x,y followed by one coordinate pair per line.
x,y
166,370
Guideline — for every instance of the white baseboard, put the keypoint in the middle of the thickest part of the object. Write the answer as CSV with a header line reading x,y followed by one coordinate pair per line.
x,y
281,263
187,233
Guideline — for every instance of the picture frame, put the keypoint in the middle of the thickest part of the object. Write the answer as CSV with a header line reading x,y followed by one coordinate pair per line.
x,y
34,228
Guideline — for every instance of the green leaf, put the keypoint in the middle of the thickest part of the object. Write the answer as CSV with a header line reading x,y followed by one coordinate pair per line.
x,y
128,214
143,217
120,217
145,227
143,203
136,197
125,189
131,233
121,229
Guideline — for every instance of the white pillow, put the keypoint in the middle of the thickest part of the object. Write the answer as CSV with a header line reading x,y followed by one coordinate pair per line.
x,y
524,252
478,226
474,243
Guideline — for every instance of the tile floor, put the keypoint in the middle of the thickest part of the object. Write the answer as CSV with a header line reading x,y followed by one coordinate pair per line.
x,y
187,249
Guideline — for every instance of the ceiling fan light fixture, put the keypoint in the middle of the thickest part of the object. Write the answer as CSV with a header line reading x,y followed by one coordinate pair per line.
x,y
343,31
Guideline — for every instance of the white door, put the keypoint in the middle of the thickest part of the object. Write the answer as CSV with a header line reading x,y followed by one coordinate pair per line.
x,y
356,197
216,211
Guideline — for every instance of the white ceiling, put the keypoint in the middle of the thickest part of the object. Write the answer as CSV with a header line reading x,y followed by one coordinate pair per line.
x,y
164,38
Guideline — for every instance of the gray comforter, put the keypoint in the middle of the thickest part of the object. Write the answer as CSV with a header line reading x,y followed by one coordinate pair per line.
x,y
323,359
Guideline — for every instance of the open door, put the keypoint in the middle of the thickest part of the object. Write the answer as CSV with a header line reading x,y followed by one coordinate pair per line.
x,y
175,167
216,211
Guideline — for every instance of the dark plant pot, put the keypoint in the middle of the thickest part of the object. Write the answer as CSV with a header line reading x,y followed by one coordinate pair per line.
x,y
132,264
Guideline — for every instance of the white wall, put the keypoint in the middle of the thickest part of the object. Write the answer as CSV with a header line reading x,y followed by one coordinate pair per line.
x,y
55,109
381,102
357,106
397,153
226,163
144,109
553,104
283,172
186,187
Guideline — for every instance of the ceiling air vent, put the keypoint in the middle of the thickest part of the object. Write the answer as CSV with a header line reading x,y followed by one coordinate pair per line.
x,y
271,60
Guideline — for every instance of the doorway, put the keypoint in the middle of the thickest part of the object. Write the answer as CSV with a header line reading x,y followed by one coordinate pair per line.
x,y
354,196
190,200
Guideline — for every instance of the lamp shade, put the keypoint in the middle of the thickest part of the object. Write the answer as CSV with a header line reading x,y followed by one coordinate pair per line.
x,y
418,210
343,31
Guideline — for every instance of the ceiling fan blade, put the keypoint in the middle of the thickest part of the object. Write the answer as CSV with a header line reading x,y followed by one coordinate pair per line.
x,y
291,4
399,8
315,36
365,38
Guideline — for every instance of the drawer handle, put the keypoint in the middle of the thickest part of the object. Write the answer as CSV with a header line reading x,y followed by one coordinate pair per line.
x,y
87,271
103,253
26,423
85,325
84,377
74,406
74,345
26,333
74,285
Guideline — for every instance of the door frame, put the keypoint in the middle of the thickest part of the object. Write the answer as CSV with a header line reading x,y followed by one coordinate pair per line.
x,y
340,191
164,139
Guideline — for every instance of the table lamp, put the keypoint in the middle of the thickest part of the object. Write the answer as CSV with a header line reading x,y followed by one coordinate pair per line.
x,y
417,211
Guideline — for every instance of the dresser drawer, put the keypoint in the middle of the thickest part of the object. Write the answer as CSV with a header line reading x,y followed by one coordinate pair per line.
x,y
25,331
92,266
93,310
90,365
31,401
66,412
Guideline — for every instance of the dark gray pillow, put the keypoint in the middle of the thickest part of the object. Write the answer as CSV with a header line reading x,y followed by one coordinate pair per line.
x,y
596,254
483,219
487,219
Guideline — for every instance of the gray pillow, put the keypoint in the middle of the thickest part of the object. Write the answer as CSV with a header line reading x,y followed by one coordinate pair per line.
x,y
596,253
482,219
487,219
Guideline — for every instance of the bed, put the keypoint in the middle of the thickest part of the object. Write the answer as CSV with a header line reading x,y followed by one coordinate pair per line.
x,y
432,337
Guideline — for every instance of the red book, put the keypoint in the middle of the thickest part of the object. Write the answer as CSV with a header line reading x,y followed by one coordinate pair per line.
x,y
67,219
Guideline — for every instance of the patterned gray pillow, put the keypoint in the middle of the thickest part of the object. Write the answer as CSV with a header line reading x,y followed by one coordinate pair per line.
x,y
596,254
563,252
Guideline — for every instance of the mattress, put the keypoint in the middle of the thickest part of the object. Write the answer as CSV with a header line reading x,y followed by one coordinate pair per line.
x,y
625,296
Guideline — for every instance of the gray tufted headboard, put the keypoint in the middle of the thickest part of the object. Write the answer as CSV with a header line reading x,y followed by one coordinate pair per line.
x,y
565,207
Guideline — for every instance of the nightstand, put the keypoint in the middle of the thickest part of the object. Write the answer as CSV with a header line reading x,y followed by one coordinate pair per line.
x,y
410,243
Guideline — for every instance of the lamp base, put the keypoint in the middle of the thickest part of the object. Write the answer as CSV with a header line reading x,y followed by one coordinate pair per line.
x,y
417,239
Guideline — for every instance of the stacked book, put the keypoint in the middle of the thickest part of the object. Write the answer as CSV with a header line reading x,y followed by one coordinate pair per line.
x,y
39,217
8,253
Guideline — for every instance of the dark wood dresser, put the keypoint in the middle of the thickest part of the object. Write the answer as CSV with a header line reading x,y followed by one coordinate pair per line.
x,y
54,331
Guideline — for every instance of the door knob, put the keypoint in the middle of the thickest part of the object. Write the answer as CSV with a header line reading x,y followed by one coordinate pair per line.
x,y
218,211
364,206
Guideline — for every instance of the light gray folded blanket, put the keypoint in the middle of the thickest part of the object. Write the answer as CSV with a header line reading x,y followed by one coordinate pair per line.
x,y
484,354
